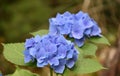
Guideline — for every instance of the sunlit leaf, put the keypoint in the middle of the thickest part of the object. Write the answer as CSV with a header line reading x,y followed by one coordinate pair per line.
x,y
13,52
40,32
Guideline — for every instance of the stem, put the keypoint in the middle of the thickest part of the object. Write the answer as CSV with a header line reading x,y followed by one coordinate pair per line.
x,y
56,74
59,74
51,72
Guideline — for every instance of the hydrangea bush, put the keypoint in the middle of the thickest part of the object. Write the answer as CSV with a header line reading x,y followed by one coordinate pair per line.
x,y
68,45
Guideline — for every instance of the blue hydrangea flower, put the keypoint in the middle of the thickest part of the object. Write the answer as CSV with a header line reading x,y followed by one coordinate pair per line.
x,y
78,26
53,50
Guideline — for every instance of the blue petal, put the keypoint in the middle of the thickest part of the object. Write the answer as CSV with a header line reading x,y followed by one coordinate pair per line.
x,y
45,41
27,59
42,64
70,63
29,43
71,49
87,21
75,55
62,61
79,15
67,14
77,31
53,27
33,52
68,18
70,54
59,69
70,35
37,38
95,30
54,61
61,40
80,42
88,32
51,48
41,53
27,56
37,46
70,45
26,52
41,59
62,50
60,19
58,16
64,29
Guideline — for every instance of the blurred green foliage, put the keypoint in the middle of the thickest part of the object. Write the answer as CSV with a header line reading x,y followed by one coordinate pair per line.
x,y
18,17
22,17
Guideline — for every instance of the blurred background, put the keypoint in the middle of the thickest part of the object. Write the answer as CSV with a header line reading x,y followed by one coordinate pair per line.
x,y
20,17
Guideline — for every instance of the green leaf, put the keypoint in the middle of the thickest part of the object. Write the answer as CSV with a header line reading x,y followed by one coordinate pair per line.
x,y
80,52
22,72
40,32
87,66
68,72
89,49
99,40
14,53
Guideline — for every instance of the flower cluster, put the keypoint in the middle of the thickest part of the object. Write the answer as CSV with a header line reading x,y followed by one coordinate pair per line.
x,y
78,26
53,50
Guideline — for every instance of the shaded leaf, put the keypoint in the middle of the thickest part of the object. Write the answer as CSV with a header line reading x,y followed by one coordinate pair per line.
x,y
22,72
40,32
99,40
14,53
87,66
89,49
68,72
80,52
